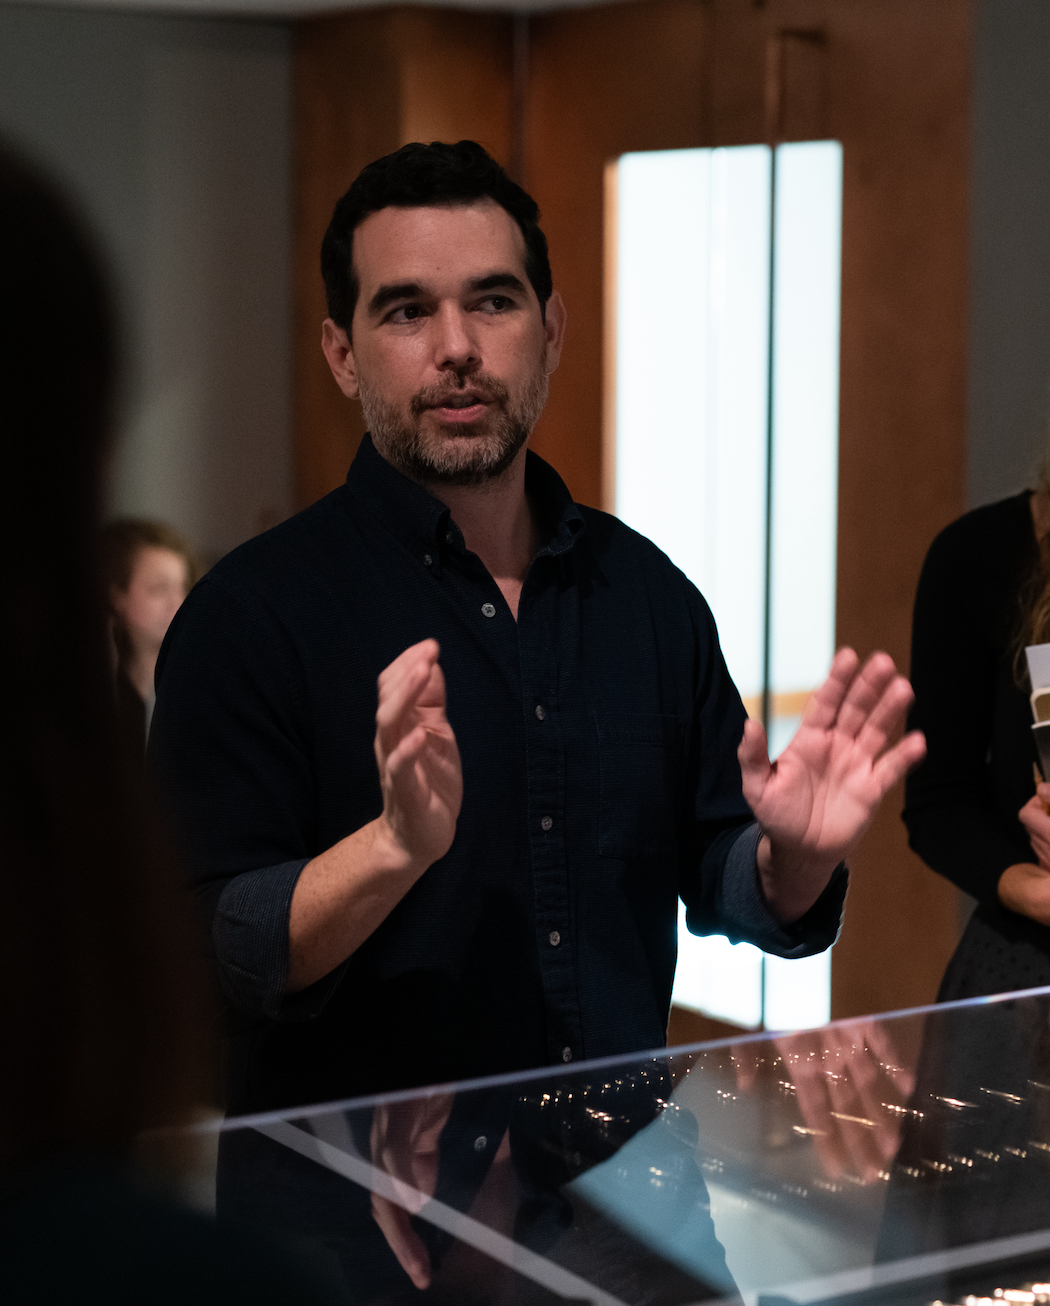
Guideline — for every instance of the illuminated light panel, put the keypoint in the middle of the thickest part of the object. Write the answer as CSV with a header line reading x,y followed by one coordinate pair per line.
x,y
693,427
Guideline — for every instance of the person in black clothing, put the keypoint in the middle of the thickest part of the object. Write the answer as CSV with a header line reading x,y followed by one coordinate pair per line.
x,y
101,1036
970,808
451,746
973,816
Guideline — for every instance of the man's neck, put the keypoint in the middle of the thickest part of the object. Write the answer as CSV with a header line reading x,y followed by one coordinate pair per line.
x,y
498,524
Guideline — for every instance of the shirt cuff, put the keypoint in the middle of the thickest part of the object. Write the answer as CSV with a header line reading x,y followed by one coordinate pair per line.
x,y
250,931
747,917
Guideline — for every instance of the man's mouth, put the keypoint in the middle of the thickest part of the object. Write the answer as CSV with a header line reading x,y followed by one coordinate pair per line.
x,y
463,406
460,401
459,406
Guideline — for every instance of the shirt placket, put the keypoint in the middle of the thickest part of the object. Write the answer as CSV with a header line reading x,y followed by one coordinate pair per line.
x,y
545,765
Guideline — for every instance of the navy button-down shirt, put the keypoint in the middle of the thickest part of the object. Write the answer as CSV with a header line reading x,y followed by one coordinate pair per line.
x,y
598,737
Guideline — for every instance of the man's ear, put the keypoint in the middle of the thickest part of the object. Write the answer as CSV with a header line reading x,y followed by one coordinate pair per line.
x,y
554,325
336,345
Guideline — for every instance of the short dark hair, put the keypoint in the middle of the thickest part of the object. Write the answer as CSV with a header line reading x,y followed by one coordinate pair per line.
x,y
417,176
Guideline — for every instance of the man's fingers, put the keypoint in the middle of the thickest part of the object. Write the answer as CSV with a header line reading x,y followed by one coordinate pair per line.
x,y
824,705
886,717
423,764
409,669
427,650
432,695
866,693
753,755
406,684
403,1240
399,687
401,763
895,764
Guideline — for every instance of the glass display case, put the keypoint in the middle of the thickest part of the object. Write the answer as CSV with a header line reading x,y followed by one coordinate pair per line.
x,y
903,1158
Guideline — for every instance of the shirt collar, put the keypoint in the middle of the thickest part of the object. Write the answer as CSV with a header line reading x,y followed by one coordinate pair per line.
x,y
415,516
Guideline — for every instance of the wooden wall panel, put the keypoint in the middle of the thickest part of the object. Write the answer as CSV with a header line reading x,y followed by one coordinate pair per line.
x,y
601,81
366,83
456,77
346,104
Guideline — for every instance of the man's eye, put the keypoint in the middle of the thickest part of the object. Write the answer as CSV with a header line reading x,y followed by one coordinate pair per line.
x,y
406,313
498,303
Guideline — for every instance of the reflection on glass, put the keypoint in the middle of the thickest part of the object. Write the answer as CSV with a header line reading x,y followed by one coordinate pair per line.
x,y
901,1159
707,242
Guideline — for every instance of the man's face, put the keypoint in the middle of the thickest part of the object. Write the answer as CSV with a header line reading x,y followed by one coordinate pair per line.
x,y
450,353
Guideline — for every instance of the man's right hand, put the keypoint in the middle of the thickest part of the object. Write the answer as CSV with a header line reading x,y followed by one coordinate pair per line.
x,y
346,893
417,756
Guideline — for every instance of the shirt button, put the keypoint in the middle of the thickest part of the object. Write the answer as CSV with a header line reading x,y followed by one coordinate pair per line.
x,y
541,711
480,1143
546,823
449,538
566,1054
428,561
488,609
555,938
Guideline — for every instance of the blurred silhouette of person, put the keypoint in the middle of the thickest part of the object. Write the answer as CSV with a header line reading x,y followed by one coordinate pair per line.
x,y
100,1031
147,570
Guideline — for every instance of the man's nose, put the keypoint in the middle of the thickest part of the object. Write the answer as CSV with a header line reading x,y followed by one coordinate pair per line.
x,y
455,345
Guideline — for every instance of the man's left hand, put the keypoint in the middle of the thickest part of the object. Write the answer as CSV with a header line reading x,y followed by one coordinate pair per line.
x,y
820,795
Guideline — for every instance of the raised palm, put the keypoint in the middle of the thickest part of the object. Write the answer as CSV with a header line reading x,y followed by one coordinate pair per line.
x,y
820,795
417,755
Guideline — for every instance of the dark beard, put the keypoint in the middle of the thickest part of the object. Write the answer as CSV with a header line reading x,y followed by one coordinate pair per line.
x,y
473,454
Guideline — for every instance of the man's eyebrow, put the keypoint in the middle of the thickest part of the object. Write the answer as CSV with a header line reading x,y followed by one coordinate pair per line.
x,y
396,291
393,292
499,281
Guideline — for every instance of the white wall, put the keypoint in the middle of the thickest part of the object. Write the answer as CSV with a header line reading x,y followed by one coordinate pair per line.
x,y
1009,388
175,134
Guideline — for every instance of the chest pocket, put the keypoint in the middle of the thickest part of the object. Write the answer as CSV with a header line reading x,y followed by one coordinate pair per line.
x,y
642,761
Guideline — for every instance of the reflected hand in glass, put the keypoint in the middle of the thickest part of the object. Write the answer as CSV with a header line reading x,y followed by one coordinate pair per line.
x,y
404,1144
839,1076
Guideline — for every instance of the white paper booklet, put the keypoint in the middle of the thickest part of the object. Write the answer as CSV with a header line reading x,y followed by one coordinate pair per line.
x,y
1038,656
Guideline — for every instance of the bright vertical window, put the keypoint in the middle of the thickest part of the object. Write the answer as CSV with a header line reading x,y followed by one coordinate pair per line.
x,y
805,428
727,276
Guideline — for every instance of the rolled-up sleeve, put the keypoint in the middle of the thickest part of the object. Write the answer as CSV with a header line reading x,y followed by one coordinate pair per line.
x,y
720,882
230,745
744,914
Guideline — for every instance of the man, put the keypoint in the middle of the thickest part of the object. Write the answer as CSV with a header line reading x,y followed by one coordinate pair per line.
x,y
475,867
